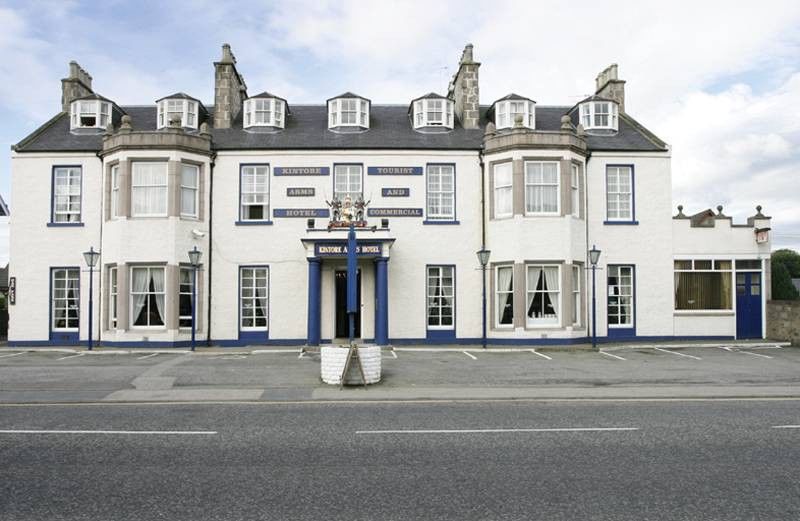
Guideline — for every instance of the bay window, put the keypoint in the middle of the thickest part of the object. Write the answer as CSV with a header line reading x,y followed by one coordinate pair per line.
x,y
112,297
184,109
253,305
542,187
503,191
599,115
575,194
506,113
114,210
348,112
264,112
543,292
66,203
441,192
703,284
576,295
149,189
433,112
254,193
504,296
147,296
441,297
90,113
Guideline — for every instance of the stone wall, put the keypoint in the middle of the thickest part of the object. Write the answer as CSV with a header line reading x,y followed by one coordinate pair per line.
x,y
465,91
783,321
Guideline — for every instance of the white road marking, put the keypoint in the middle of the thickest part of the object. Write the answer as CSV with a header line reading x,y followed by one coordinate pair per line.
x,y
13,354
70,356
612,355
147,356
677,353
490,431
469,355
394,354
786,426
302,354
38,431
754,354
534,351
268,351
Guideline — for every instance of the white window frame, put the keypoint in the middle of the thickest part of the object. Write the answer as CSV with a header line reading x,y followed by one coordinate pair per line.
x,y
619,286
506,111
272,108
113,292
356,110
498,312
252,298
344,176
100,110
505,187
439,273
529,210
426,108
619,196
185,167
188,109
142,188
67,303
592,112
114,203
534,291
254,197
132,294
442,197
577,284
182,292
66,189
575,190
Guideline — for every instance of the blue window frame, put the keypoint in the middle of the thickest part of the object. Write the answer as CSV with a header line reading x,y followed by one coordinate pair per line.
x,y
66,195
620,195
440,194
254,189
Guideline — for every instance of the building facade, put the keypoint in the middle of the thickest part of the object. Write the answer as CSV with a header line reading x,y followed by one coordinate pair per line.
x,y
256,184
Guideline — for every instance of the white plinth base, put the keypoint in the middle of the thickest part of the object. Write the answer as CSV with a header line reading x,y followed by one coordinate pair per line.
x,y
333,360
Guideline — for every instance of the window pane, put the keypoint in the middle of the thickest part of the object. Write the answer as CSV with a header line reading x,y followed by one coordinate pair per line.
x,y
702,290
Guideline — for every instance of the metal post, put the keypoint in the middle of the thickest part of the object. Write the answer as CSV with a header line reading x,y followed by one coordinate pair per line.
x,y
194,305
594,308
483,337
91,292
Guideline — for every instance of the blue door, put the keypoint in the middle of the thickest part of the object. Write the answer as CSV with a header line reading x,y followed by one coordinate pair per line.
x,y
748,305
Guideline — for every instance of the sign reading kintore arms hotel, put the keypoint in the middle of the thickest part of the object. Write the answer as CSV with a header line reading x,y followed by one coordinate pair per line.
x,y
394,170
302,170
339,249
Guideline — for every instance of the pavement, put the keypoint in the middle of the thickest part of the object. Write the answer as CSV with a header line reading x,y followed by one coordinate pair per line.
x,y
725,460
645,371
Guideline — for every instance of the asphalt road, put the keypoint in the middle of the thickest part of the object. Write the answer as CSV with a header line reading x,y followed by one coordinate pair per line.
x,y
674,460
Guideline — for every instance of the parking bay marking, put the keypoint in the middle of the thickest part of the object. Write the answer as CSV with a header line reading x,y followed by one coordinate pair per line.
x,y
469,355
13,354
147,356
677,353
786,426
754,354
534,351
612,355
41,431
497,431
70,356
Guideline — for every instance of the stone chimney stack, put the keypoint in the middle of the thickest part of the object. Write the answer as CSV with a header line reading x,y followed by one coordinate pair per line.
x,y
229,89
464,90
609,86
77,85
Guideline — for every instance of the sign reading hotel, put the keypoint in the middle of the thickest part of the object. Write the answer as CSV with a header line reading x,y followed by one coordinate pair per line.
x,y
340,249
302,170
394,170
297,191
300,212
394,212
395,192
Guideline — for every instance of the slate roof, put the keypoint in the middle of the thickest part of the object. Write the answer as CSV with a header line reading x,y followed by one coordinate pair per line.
x,y
307,128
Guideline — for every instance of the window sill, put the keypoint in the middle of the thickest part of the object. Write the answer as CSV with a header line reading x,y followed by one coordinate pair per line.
x,y
704,313
252,223
623,223
63,225
434,221
542,214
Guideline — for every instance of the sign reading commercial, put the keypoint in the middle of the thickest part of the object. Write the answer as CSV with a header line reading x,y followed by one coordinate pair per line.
x,y
340,249
394,212
395,192
300,191
301,170
394,170
300,212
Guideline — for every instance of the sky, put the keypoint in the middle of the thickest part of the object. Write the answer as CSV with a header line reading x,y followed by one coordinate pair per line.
x,y
718,81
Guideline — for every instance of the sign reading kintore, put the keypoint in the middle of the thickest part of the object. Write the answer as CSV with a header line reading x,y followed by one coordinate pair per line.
x,y
302,170
300,212
394,170
394,212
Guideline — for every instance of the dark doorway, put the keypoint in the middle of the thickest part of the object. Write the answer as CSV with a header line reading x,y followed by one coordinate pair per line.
x,y
341,305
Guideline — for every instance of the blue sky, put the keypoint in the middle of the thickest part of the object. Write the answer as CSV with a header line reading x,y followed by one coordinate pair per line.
x,y
718,81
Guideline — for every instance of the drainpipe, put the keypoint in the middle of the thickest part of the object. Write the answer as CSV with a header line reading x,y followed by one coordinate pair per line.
x,y
586,224
210,242
100,271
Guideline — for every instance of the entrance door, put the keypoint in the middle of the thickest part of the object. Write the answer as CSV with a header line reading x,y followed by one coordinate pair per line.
x,y
341,305
748,305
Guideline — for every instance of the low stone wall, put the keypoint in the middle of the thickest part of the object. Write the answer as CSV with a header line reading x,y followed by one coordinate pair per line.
x,y
333,359
783,321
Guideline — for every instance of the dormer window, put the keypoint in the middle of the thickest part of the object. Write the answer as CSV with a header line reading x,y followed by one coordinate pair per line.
x,y
507,110
90,113
180,106
264,111
348,111
599,115
433,111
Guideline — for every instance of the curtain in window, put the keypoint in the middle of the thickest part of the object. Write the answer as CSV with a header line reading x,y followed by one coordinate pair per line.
x,y
139,289
260,300
189,182
551,298
158,287
505,299
149,188
541,187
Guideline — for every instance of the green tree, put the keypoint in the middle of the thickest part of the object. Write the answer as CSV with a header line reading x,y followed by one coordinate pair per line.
x,y
785,267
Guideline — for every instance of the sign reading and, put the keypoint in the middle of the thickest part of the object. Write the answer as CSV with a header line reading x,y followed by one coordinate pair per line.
x,y
395,192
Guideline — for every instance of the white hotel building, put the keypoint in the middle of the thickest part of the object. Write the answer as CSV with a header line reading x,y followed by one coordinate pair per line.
x,y
246,182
